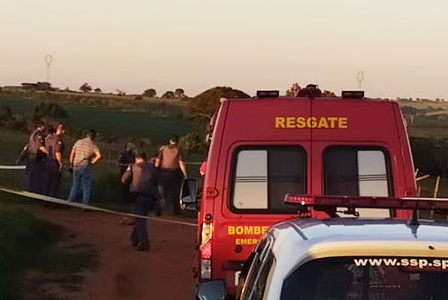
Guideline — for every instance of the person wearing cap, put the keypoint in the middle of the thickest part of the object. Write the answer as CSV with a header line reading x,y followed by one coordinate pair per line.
x,y
55,147
172,168
83,155
37,154
142,180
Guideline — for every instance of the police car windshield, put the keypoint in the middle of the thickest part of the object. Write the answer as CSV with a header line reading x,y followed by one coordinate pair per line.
x,y
379,278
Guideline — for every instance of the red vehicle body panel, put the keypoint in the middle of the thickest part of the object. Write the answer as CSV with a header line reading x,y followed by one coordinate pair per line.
x,y
252,122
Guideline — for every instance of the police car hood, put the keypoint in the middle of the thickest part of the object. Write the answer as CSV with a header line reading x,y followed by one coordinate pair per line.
x,y
313,229
311,239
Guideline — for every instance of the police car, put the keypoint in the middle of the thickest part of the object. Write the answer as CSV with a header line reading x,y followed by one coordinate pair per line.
x,y
347,258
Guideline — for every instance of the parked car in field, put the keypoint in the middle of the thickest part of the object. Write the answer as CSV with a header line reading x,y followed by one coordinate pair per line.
x,y
347,258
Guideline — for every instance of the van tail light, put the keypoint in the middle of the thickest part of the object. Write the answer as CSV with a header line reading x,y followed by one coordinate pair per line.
x,y
206,250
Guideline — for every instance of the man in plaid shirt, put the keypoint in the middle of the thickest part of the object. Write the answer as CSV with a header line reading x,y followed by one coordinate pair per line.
x,y
84,154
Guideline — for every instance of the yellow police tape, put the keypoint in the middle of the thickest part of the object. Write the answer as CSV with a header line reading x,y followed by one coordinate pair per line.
x,y
89,207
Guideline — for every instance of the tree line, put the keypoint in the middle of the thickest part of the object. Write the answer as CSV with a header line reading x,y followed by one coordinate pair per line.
x,y
150,93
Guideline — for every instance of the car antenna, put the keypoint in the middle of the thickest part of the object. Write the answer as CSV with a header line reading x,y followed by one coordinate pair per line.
x,y
413,222
414,219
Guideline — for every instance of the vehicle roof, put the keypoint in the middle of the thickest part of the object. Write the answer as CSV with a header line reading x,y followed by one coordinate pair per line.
x,y
365,229
318,238
365,119
308,98
296,242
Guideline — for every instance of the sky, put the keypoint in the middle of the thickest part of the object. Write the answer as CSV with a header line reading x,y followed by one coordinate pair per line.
x,y
401,46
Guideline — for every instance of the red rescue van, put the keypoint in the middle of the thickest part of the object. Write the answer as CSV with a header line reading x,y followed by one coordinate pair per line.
x,y
267,146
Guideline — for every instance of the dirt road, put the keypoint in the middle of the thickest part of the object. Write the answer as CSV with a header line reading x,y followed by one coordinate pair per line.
x,y
165,272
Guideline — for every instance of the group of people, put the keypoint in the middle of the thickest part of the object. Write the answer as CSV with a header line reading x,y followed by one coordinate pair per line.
x,y
151,183
44,154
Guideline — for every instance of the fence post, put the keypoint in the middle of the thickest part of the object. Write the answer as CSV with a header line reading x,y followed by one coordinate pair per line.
x,y
436,188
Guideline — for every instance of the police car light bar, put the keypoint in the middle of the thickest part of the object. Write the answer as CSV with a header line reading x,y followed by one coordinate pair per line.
x,y
268,94
352,94
367,202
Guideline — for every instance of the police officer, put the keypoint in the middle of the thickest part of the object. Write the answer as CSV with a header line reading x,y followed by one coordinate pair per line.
x,y
127,157
36,159
143,190
55,147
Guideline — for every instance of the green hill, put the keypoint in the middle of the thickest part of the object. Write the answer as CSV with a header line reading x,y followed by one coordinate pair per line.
x,y
115,119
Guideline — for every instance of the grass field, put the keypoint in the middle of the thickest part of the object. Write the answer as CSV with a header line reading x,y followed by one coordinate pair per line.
x,y
29,244
424,104
104,100
152,122
428,126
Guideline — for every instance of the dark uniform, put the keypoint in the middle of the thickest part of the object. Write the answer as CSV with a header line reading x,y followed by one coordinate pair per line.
x,y
126,158
36,162
54,144
143,191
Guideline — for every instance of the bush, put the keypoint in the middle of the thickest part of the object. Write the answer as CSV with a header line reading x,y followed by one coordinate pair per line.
x,y
430,155
168,95
151,93
206,104
8,120
179,93
5,114
85,87
192,142
49,111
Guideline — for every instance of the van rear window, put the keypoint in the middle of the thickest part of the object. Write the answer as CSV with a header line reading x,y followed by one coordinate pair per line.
x,y
263,175
356,172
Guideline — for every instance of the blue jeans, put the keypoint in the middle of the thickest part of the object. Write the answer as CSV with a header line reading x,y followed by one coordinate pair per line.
x,y
82,177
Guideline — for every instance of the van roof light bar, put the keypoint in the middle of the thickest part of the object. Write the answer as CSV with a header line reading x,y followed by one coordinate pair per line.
x,y
367,202
352,94
268,94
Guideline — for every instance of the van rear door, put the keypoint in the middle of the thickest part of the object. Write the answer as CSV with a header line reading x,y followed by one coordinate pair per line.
x,y
357,141
268,153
